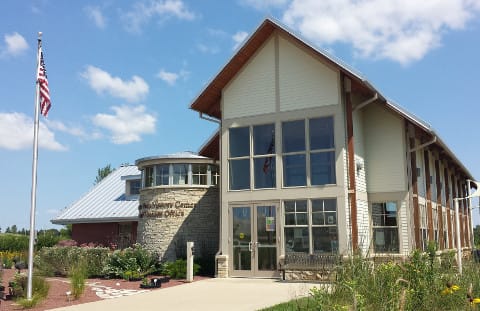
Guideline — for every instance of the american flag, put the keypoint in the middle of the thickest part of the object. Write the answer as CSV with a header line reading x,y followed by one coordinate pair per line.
x,y
43,86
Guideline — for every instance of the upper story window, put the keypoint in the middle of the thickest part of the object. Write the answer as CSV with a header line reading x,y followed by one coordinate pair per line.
x,y
315,155
260,156
180,174
133,186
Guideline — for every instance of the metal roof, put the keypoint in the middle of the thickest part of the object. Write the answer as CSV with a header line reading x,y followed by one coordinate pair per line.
x,y
174,156
105,202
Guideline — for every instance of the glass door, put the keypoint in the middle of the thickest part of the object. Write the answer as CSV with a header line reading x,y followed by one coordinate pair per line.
x,y
254,240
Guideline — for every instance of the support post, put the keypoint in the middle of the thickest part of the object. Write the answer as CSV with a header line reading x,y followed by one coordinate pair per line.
x,y
190,255
459,244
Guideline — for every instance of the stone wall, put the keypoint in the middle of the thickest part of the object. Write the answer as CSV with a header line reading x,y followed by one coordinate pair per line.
x,y
169,217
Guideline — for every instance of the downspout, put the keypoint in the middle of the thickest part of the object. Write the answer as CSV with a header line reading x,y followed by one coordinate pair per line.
x,y
219,252
428,143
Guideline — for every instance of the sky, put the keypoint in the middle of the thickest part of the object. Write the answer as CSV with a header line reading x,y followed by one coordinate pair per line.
x,y
122,75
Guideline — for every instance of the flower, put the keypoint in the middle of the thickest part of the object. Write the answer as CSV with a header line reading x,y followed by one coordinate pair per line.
x,y
450,289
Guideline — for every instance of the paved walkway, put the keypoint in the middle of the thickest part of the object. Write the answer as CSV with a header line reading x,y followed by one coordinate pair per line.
x,y
233,294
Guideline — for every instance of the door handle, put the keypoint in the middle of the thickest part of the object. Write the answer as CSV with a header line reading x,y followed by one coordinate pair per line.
x,y
250,246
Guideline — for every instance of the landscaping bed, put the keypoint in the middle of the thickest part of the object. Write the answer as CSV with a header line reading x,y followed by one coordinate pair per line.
x,y
59,286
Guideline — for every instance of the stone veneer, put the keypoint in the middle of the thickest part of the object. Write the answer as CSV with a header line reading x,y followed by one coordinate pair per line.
x,y
171,216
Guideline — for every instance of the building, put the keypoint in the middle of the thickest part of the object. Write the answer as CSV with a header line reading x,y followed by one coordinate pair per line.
x,y
315,162
108,213
161,202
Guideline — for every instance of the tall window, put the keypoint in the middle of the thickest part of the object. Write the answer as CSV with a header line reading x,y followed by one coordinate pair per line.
x,y
317,155
148,173
261,155
385,227
423,226
264,156
214,175
324,226
311,226
239,158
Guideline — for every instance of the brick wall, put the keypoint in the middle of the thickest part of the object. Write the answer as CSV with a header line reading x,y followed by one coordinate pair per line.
x,y
99,233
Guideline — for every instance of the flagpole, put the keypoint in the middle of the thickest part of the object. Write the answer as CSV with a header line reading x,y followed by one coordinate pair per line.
x,y
31,243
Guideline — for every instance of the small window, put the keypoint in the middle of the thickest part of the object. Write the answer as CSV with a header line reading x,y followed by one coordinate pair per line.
x,y
199,174
161,175
180,174
134,187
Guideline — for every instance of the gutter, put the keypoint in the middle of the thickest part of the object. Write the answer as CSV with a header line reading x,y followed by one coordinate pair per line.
x,y
208,118
368,101
428,143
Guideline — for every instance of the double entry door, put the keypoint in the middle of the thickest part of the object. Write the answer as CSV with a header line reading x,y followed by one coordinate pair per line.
x,y
255,238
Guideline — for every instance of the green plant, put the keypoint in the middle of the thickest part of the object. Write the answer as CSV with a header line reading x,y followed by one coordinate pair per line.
x,y
13,242
40,289
56,260
77,276
130,263
178,269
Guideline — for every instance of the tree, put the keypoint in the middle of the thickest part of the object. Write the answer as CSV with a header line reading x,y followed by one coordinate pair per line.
x,y
102,173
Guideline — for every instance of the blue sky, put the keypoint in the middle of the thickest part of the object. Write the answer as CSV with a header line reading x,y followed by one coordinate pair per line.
x,y
123,73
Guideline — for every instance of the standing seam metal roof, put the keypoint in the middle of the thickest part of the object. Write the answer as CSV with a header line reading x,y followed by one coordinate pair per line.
x,y
105,202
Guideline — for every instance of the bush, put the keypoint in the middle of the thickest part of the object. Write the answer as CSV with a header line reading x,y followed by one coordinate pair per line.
x,y
40,288
58,261
6,258
47,239
13,242
132,263
178,269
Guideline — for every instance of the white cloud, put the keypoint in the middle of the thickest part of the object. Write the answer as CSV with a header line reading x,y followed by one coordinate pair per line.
x,y
401,30
18,129
161,9
127,124
171,77
15,44
70,129
262,5
96,15
208,49
238,38
101,81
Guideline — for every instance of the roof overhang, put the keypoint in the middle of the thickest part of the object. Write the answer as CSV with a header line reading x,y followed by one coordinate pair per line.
x,y
92,220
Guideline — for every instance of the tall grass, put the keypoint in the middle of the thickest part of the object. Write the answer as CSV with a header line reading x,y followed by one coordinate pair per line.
x,y
425,281
77,276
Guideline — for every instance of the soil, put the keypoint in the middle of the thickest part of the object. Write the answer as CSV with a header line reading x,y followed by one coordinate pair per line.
x,y
59,286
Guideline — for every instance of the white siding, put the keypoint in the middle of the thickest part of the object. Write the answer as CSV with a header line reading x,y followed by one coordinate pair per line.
x,y
403,223
304,81
360,176
421,177
385,150
363,226
252,91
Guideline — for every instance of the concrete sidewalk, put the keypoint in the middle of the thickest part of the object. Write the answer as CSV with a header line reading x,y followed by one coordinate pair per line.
x,y
212,294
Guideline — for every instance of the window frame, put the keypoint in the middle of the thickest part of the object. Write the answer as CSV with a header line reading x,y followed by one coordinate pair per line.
x,y
383,214
310,226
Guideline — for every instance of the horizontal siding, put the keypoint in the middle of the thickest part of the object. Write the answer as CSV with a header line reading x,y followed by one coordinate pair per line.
x,y
403,222
304,81
252,91
385,150
363,217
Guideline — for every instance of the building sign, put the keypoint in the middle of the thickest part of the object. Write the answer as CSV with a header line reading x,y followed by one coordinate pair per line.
x,y
269,223
164,209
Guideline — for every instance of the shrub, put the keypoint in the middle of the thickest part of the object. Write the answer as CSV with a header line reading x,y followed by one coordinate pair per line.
x,y
13,242
132,263
6,257
40,288
178,269
47,239
77,276
59,260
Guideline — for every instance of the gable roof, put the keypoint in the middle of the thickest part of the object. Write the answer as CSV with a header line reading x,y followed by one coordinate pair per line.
x,y
105,202
208,102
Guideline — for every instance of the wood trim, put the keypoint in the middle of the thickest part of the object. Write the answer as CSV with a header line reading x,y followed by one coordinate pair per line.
x,y
352,195
448,207
454,195
460,212
416,213
428,195
441,244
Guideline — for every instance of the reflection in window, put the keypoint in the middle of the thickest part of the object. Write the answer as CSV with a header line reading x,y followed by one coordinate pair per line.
x,y
264,156
148,173
134,186
239,174
296,226
239,141
199,174
294,172
161,174
180,174
324,225
385,227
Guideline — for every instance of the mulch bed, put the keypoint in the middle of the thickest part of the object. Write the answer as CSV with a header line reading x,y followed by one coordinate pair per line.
x,y
60,286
